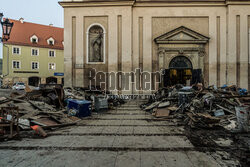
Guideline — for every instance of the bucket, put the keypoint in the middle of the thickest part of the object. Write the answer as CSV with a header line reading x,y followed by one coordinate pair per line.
x,y
184,97
242,114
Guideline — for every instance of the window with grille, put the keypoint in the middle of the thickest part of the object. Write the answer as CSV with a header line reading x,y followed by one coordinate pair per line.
x,y
52,53
34,65
34,52
16,50
16,64
52,66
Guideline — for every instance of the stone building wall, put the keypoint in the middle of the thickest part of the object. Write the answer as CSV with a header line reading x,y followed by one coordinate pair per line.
x,y
131,28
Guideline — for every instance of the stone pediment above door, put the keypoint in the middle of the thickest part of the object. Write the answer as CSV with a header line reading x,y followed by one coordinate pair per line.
x,y
182,35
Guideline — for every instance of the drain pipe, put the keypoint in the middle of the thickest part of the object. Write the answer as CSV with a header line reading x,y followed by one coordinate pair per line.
x,y
7,60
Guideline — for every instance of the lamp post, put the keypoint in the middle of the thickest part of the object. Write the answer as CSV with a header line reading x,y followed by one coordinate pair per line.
x,y
7,27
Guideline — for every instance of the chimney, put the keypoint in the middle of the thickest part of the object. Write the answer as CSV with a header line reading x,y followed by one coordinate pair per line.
x,y
21,20
51,25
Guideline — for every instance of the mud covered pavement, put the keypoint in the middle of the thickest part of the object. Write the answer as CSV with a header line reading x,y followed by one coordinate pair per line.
x,y
126,135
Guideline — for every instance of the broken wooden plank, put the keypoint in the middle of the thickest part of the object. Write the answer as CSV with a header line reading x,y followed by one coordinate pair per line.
x,y
35,106
225,109
190,115
164,104
237,100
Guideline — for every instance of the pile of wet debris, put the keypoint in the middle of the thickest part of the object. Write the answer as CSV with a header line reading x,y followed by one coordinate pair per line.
x,y
49,107
201,107
215,118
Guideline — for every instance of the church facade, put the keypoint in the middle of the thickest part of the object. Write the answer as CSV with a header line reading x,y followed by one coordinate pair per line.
x,y
181,41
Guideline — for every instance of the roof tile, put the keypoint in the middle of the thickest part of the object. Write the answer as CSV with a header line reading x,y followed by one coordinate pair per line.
x,y
21,33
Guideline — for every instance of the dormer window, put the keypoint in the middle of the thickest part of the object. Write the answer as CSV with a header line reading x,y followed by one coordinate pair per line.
x,y
51,41
34,39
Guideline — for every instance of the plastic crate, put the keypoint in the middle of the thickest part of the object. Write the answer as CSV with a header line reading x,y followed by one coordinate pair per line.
x,y
101,103
82,107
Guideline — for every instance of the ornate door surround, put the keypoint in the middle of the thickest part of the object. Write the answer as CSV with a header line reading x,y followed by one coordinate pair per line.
x,y
182,42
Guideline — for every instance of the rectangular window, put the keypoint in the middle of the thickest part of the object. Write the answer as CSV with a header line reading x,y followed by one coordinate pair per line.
x,y
52,53
16,64
34,52
34,65
16,50
52,66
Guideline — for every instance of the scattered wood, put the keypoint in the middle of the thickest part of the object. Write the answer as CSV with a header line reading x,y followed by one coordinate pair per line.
x,y
201,105
223,108
173,108
236,98
35,106
164,104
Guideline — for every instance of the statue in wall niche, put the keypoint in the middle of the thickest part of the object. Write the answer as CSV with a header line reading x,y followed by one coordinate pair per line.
x,y
96,44
97,49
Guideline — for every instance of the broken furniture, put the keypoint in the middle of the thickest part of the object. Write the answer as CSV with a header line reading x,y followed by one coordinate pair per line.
x,y
52,94
9,122
204,107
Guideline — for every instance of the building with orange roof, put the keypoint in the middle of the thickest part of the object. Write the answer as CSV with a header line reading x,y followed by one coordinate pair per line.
x,y
33,54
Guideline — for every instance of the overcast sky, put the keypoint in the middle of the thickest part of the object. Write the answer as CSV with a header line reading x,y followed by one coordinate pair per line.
x,y
36,11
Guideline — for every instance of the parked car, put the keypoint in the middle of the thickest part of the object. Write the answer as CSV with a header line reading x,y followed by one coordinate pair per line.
x,y
18,86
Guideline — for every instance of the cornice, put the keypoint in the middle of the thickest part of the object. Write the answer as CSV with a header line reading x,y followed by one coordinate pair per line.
x,y
151,3
93,3
34,46
179,4
238,2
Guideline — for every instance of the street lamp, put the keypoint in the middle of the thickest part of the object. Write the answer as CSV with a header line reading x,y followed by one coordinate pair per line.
x,y
7,27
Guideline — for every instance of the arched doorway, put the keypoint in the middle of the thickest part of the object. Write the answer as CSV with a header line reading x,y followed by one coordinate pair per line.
x,y
34,81
51,80
180,42
180,71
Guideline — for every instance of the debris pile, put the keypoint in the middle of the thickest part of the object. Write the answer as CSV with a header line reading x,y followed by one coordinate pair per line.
x,y
37,109
202,107
216,118
50,106
9,117
100,100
